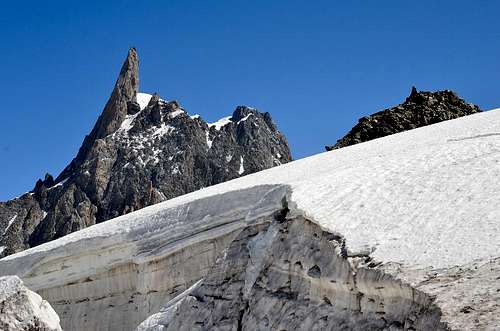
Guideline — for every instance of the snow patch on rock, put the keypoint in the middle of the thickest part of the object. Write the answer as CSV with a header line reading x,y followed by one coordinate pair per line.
x,y
176,113
244,118
209,141
220,123
11,221
127,123
164,129
143,100
241,170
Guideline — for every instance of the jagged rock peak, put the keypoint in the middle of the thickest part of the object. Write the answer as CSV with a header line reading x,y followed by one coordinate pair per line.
x,y
142,150
413,90
419,109
124,92
241,112
122,102
47,182
422,97
154,99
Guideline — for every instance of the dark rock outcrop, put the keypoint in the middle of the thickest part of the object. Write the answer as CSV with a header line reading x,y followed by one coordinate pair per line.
x,y
138,155
419,109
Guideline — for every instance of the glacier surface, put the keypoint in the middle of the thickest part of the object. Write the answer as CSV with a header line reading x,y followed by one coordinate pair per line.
x,y
421,203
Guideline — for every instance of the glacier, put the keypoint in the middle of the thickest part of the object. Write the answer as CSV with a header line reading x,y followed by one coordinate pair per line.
x,y
422,205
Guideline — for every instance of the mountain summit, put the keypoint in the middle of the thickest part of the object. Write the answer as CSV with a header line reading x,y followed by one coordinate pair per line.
x,y
142,150
419,109
124,95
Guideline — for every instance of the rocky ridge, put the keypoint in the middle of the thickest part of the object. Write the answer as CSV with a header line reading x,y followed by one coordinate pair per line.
x,y
141,151
419,109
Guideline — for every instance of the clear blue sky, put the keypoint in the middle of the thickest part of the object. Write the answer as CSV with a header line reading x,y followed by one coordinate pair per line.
x,y
316,66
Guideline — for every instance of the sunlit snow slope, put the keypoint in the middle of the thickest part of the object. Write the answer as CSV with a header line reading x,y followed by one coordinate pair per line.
x,y
422,202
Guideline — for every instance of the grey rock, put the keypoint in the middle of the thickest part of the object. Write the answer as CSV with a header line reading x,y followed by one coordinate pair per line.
x,y
289,274
419,109
134,158
24,310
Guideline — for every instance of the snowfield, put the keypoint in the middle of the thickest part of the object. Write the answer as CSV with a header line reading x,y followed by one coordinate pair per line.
x,y
419,202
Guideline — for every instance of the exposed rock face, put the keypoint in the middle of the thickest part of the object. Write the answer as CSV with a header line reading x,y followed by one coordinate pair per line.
x,y
419,109
24,310
142,150
290,275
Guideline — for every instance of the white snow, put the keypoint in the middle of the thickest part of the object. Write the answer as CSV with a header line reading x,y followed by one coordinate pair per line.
x,y
175,169
416,197
163,129
61,183
209,141
425,197
176,113
158,320
195,116
220,123
2,248
242,169
127,123
245,118
422,200
143,99
11,221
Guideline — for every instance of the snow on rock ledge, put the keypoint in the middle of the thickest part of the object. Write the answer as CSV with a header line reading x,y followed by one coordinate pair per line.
x,y
422,205
143,100
22,309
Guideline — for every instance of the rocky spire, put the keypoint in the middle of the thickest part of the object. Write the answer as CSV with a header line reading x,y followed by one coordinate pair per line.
x,y
125,92
413,91
123,97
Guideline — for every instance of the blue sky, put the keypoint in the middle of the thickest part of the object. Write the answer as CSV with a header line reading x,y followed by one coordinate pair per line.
x,y
316,66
